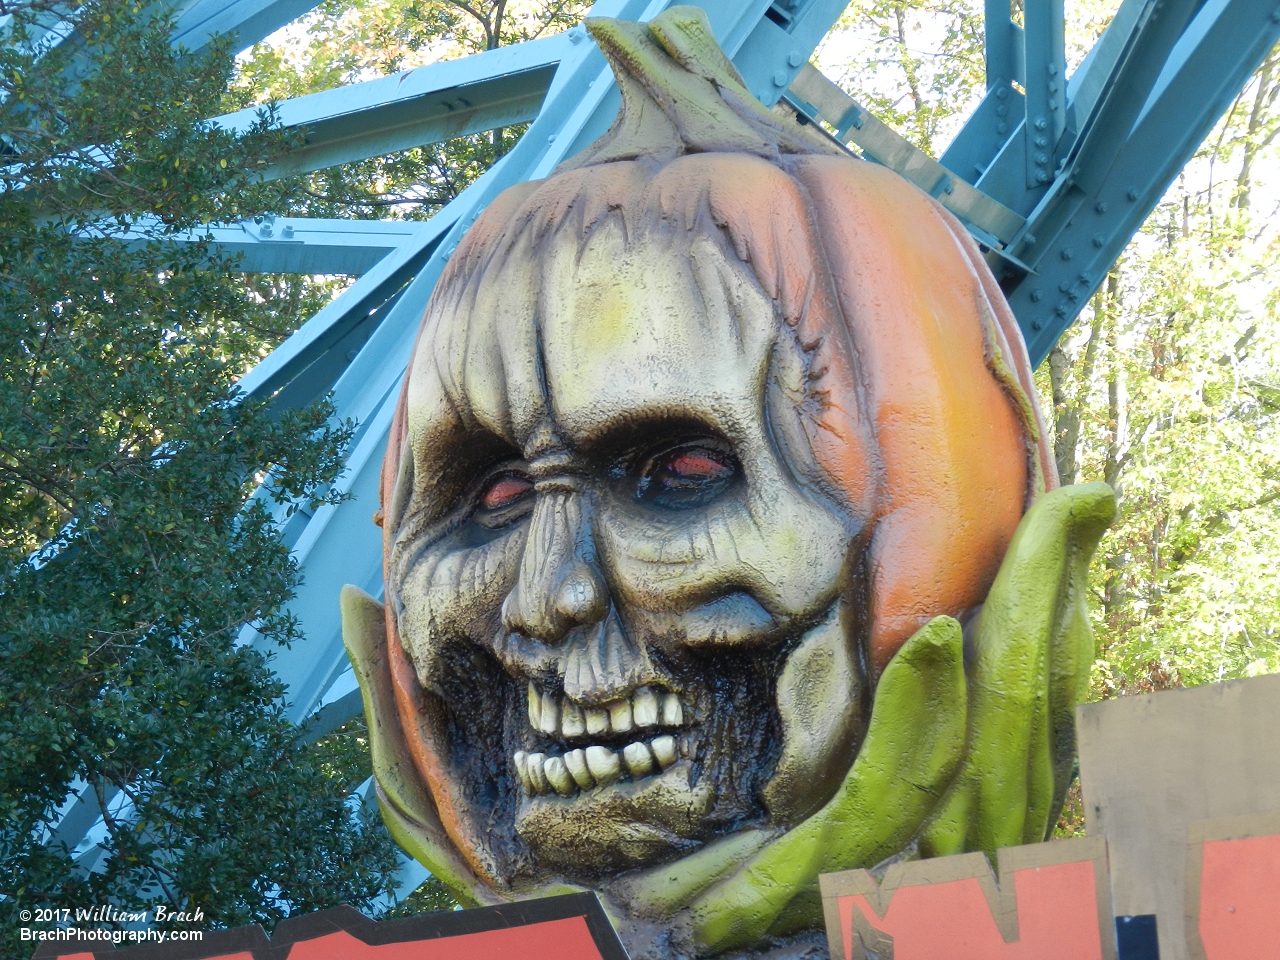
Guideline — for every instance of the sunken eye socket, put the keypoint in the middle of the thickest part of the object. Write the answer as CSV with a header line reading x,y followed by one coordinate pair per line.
x,y
689,474
504,498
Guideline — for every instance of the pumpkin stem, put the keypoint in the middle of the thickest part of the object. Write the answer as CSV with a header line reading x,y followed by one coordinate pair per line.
x,y
681,94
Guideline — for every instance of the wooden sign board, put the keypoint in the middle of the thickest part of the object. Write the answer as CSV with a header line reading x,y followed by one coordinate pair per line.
x,y
571,927
1052,902
1151,766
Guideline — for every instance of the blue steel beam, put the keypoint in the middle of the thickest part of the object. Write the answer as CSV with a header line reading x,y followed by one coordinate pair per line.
x,y
430,104
1114,78
196,24
323,333
1101,201
242,22
293,244
1045,106
1004,45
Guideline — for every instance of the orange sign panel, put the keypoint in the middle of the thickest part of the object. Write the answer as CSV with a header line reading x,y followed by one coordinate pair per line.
x,y
1233,888
1052,903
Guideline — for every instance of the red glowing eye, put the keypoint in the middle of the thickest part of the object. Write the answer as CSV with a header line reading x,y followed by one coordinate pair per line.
x,y
690,475
504,491
698,464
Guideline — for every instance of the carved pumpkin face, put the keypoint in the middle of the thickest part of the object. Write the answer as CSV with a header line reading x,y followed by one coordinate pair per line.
x,y
688,448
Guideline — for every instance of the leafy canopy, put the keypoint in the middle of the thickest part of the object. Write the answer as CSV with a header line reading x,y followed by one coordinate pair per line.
x,y
132,551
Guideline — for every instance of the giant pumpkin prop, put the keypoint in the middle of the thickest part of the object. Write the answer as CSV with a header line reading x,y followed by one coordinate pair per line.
x,y
718,546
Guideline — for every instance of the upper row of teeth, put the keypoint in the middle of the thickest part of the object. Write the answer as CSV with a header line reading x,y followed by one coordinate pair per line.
x,y
643,709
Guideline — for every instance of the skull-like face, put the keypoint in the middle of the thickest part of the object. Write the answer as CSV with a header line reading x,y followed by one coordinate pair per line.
x,y
634,608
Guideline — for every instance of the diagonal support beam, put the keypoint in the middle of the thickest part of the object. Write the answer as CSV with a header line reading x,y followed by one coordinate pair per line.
x,y
294,244
428,105
1083,225
991,222
244,22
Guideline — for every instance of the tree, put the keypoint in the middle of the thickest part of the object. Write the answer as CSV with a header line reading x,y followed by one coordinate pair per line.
x,y
133,548
1167,389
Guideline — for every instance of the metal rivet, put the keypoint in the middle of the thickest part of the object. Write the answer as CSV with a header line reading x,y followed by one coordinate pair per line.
x,y
1053,69
1002,93
1037,324
1036,295
1101,206
1099,240
1061,310
576,35
795,58
551,139
1002,111
1029,239
1002,128
1053,87
1064,286
1066,253
1053,104
780,79
1132,195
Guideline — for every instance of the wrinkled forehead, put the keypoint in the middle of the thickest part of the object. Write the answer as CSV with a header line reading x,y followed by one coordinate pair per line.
x,y
587,338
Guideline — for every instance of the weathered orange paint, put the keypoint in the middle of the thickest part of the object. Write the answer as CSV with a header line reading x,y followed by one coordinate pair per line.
x,y
956,455
1239,889
1057,918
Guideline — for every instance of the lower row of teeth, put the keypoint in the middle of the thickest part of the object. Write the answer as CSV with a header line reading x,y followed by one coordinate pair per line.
x,y
595,766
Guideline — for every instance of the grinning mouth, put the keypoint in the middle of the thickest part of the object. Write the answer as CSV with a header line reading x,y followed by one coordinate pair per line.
x,y
592,751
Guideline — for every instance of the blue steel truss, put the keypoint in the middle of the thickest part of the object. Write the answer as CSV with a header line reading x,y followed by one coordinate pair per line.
x,y
1051,174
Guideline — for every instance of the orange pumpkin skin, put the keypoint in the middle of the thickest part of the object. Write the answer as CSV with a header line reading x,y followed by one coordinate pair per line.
x,y
962,458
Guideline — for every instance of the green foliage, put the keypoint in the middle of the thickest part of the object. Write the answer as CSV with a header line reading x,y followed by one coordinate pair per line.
x,y
430,897
132,551
1167,387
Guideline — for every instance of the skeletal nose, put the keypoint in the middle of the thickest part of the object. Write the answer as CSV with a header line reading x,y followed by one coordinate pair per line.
x,y
582,597
559,586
